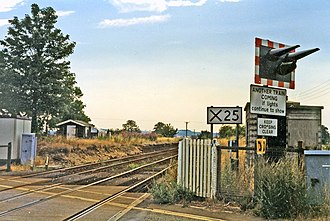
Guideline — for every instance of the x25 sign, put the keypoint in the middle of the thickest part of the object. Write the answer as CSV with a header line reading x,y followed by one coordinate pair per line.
x,y
224,115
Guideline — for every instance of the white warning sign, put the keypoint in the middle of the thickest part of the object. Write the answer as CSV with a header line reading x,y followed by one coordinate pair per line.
x,y
267,127
267,100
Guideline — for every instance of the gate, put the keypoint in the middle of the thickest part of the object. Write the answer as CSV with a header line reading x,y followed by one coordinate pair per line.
x,y
197,167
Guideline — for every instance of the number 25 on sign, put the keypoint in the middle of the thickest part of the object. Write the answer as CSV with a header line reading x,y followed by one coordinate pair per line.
x,y
261,146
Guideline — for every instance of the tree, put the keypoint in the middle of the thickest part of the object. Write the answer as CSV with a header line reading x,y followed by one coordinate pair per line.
x,y
227,131
325,137
166,130
131,126
204,134
35,79
242,130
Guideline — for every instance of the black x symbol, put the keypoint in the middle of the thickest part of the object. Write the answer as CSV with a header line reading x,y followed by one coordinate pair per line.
x,y
215,115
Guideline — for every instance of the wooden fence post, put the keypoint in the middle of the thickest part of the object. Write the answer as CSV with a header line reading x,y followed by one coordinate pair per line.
x,y
9,157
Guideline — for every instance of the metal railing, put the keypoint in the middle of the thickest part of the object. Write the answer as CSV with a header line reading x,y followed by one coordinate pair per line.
x,y
8,155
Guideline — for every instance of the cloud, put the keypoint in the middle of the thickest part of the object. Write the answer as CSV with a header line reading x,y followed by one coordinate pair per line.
x,y
229,0
184,3
64,13
153,5
141,5
133,21
4,22
8,5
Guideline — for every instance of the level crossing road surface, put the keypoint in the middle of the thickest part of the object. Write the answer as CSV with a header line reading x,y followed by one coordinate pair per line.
x,y
129,206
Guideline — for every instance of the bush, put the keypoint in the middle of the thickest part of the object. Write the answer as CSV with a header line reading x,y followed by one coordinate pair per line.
x,y
171,193
280,189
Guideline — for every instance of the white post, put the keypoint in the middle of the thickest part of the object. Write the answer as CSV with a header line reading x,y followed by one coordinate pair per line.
x,y
198,160
209,163
186,163
214,171
179,178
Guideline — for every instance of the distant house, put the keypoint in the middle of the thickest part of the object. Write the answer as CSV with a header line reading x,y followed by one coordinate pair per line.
x,y
75,128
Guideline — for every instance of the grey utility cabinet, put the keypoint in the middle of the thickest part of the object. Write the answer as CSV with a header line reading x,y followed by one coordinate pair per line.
x,y
318,174
28,148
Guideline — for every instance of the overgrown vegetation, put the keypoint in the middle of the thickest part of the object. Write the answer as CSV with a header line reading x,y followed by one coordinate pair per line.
x,y
171,193
167,191
280,189
275,190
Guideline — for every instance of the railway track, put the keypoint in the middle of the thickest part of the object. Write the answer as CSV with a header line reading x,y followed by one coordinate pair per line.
x,y
156,158
106,200
65,173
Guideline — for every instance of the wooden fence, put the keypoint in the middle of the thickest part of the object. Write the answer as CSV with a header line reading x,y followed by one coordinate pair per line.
x,y
197,167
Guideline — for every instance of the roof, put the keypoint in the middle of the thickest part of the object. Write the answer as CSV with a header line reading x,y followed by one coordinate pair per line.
x,y
317,152
78,122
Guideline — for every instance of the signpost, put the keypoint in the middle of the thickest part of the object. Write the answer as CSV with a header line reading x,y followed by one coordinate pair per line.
x,y
267,100
267,127
224,115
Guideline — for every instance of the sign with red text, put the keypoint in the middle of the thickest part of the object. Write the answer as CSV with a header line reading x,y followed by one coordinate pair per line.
x,y
267,100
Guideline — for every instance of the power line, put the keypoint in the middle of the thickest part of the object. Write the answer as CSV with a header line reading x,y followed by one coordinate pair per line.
x,y
325,87
325,83
308,99
313,90
318,94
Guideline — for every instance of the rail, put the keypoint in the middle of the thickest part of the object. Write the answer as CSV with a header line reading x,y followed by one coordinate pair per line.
x,y
41,200
95,206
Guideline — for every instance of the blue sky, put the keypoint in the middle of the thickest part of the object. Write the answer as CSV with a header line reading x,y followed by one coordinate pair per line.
x,y
168,60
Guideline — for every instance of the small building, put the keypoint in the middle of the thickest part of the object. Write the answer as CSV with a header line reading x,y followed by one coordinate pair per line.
x,y
300,127
304,126
11,130
75,128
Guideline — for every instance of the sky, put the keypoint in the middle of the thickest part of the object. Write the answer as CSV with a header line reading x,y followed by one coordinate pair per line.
x,y
168,60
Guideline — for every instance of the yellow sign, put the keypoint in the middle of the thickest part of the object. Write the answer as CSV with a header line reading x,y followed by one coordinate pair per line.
x,y
261,146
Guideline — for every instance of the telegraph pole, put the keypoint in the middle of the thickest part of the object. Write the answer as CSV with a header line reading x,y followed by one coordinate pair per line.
x,y
186,128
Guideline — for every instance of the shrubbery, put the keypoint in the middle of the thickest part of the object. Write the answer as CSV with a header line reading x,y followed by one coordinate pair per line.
x,y
280,189
171,193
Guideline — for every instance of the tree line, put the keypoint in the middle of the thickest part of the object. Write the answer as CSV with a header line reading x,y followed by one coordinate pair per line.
x,y
160,128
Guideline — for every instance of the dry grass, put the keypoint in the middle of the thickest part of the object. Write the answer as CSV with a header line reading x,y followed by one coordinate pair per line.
x,y
113,141
76,151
